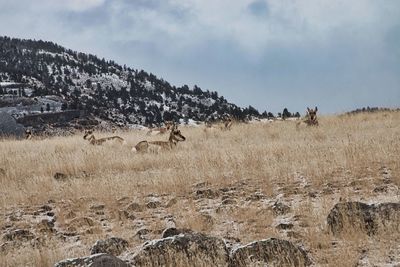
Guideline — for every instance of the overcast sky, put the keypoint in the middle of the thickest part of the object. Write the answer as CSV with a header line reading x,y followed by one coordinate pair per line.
x,y
271,54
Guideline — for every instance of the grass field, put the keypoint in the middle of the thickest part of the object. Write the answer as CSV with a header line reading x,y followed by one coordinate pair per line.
x,y
345,158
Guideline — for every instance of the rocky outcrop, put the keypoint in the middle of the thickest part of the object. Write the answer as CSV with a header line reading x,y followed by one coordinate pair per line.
x,y
175,231
280,208
9,127
270,252
97,260
206,193
18,235
369,219
113,246
192,249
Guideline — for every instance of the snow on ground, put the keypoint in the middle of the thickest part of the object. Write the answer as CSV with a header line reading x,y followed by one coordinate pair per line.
x,y
8,83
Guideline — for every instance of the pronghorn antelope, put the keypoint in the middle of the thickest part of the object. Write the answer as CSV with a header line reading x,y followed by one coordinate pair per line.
x,y
311,117
28,134
93,141
161,130
175,136
208,126
228,122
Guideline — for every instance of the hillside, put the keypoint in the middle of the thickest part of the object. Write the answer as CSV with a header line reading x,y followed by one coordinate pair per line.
x,y
330,191
42,77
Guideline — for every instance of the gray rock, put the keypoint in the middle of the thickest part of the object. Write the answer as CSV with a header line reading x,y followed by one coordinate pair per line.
x,y
229,201
280,208
193,249
270,252
97,207
112,246
284,226
369,219
59,176
96,260
18,235
255,197
9,126
135,207
142,231
206,193
171,202
153,204
172,231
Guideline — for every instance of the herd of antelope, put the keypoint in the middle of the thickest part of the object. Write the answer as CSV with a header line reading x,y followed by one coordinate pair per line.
x,y
175,134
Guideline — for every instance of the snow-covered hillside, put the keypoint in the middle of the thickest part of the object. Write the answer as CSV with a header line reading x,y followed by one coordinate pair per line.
x,y
104,89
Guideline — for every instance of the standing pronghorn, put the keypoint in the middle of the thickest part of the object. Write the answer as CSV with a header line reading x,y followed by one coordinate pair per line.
x,y
175,136
28,134
311,117
224,125
228,122
161,130
93,141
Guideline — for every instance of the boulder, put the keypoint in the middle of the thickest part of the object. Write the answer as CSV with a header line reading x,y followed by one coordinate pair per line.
x,y
270,252
96,260
206,193
280,209
370,219
112,246
59,176
153,204
284,226
18,235
172,231
135,207
9,126
191,249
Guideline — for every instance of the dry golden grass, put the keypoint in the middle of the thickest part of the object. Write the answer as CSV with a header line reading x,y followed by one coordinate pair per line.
x,y
273,158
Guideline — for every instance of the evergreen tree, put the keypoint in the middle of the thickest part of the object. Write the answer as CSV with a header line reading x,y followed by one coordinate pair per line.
x,y
64,106
286,113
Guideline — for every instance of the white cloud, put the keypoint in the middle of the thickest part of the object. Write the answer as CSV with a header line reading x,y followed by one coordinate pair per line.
x,y
72,5
286,23
178,25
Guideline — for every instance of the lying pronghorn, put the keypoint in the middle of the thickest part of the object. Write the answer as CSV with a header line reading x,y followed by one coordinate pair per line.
x,y
161,130
93,141
311,117
175,136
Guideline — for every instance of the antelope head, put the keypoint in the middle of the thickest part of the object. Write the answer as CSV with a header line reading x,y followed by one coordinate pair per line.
x,y
176,135
312,113
169,124
28,134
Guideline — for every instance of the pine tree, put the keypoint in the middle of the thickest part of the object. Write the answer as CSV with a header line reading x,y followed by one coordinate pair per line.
x,y
286,113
